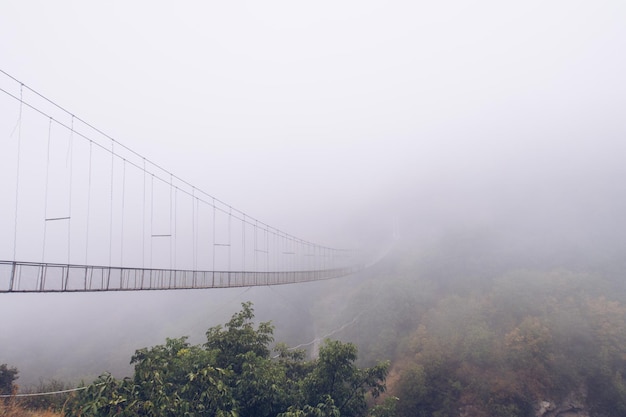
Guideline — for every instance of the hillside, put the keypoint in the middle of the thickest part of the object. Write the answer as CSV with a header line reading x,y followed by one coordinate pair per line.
x,y
473,334
472,326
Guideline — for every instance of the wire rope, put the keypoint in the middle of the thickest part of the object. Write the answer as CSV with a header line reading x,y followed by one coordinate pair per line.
x,y
171,229
110,138
194,232
243,242
198,196
18,126
143,218
214,215
151,220
230,219
70,157
123,211
88,202
45,209
320,338
111,207
267,250
277,251
175,226
256,250
35,394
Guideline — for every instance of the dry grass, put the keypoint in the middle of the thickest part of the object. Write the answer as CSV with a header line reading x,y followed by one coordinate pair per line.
x,y
12,408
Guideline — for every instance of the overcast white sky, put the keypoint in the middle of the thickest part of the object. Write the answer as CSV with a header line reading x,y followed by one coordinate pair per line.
x,y
303,113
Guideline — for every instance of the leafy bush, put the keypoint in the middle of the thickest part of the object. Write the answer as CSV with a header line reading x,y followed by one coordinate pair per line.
x,y
233,374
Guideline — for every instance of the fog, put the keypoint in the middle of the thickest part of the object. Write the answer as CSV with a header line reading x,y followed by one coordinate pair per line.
x,y
486,127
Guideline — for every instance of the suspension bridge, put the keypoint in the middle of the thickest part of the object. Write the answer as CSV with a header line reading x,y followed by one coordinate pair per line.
x,y
80,211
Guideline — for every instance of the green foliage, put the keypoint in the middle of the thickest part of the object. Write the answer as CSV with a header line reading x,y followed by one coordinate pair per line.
x,y
233,374
336,375
106,397
326,408
230,345
179,379
388,408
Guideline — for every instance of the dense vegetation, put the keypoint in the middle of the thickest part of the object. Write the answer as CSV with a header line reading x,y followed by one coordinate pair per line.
x,y
503,351
478,339
235,374
470,334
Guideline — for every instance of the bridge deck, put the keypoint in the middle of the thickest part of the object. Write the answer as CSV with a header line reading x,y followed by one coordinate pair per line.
x,y
29,277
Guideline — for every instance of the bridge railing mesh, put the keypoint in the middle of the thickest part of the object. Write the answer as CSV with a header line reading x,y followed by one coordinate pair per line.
x,y
26,277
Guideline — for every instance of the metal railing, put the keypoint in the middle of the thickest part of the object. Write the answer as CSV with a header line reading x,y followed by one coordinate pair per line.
x,y
31,277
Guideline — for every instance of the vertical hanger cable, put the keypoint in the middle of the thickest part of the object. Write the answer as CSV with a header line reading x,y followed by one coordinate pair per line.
x,y
143,220
17,175
111,205
123,207
70,151
45,209
88,203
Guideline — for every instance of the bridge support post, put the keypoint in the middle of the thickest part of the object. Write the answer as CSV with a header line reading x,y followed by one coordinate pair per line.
x,y
12,279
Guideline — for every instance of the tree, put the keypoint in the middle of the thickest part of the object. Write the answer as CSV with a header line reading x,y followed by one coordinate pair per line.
x,y
326,408
257,382
7,377
230,345
336,376
425,391
233,374
105,397
179,379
